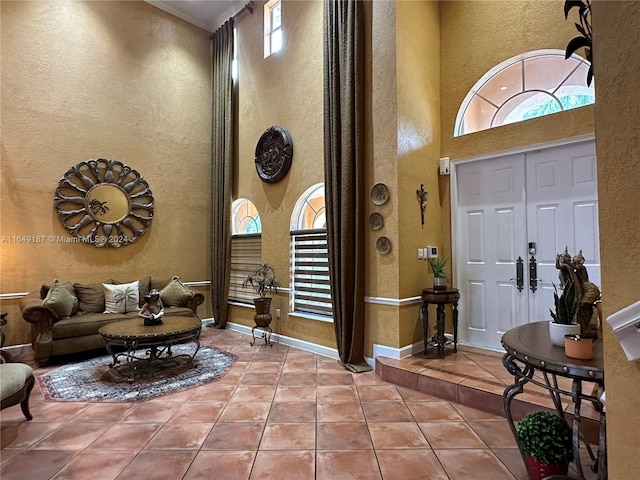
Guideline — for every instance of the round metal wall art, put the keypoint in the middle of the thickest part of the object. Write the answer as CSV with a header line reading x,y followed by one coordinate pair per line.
x,y
104,203
274,153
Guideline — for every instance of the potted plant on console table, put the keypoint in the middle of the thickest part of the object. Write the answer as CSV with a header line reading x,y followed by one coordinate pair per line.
x,y
564,318
546,441
439,275
263,280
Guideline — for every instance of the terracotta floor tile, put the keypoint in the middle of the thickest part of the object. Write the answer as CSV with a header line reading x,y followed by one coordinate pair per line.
x,y
386,412
419,464
234,436
164,465
494,434
340,412
512,459
35,464
219,465
289,436
303,366
60,411
411,395
245,412
219,393
470,413
450,435
368,378
103,412
96,465
295,394
478,464
126,436
72,436
347,465
254,393
338,393
374,393
260,378
24,434
180,436
294,465
326,364
343,436
292,412
264,367
334,378
298,379
397,435
151,412
433,411
207,412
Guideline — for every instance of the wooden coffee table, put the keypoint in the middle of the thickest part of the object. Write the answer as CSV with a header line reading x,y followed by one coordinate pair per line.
x,y
125,338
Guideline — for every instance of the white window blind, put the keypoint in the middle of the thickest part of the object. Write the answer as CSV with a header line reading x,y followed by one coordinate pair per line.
x,y
246,255
310,260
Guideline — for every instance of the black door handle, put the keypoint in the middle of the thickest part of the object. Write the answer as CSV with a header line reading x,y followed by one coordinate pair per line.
x,y
533,274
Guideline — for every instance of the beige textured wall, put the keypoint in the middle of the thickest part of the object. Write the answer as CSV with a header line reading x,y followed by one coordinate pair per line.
x,y
617,69
118,80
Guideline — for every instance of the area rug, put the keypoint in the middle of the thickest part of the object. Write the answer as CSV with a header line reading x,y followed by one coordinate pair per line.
x,y
94,380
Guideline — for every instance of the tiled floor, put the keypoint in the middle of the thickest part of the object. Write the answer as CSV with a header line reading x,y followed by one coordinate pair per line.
x,y
278,413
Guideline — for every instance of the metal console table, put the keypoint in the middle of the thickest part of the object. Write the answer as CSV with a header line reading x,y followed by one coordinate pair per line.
x,y
440,298
529,350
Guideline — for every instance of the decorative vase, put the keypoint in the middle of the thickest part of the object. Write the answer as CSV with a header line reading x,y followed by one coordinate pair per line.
x,y
557,331
578,347
439,283
262,316
541,470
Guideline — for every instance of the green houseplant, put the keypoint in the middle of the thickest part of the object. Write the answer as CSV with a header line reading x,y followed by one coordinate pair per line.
x,y
439,275
564,314
263,280
585,39
546,440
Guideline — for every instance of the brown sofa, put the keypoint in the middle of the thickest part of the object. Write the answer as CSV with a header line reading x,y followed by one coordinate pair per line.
x,y
56,330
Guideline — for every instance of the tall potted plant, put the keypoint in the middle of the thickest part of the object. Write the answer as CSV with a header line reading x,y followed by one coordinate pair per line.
x,y
439,275
263,280
546,440
585,39
564,317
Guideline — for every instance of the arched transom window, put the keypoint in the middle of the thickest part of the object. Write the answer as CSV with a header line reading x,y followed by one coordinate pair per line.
x,y
526,86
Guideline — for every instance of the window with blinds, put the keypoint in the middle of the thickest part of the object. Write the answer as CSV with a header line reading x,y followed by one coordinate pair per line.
x,y
246,255
311,291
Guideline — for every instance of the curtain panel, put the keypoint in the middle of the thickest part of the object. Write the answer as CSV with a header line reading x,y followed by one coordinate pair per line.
x,y
344,173
221,171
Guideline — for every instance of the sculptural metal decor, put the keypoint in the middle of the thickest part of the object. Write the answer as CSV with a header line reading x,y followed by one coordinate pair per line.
x,y
274,153
104,203
422,195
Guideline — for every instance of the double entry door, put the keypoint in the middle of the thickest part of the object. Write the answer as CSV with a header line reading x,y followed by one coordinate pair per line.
x,y
514,213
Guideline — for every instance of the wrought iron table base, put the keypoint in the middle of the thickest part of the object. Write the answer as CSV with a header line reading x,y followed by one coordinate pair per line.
x,y
266,334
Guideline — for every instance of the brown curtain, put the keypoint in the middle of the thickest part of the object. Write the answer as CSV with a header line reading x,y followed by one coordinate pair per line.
x,y
344,173
221,171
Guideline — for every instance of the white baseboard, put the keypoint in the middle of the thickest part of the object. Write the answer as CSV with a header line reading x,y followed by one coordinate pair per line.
x,y
397,353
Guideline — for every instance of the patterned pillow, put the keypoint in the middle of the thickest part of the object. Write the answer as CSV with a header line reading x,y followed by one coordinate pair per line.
x,y
175,293
59,300
121,298
143,287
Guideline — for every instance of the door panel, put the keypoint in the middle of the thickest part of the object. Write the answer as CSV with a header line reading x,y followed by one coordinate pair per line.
x,y
546,196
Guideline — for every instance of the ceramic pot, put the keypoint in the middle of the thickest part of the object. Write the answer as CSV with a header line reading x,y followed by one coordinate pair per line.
x,y
578,347
557,331
541,470
439,283
262,316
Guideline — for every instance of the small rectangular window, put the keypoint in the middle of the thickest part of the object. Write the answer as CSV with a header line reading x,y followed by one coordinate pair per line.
x,y
272,27
246,255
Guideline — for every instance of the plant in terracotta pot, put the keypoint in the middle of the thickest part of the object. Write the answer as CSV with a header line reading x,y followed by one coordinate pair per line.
x,y
263,280
439,275
564,317
546,441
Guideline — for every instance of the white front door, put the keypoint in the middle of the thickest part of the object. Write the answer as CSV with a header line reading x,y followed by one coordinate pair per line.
x,y
520,207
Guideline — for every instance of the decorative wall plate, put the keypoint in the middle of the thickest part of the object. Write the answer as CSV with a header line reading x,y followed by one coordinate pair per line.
x,y
383,245
104,203
379,194
274,153
376,221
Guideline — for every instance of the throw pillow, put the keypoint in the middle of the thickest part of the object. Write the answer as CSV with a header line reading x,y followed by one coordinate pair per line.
x,y
175,293
90,297
121,298
60,301
44,291
144,287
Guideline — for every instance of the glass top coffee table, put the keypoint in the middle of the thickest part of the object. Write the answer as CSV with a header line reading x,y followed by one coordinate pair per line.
x,y
141,345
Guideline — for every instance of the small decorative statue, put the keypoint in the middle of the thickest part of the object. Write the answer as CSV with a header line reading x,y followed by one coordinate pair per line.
x,y
152,310
422,198
572,270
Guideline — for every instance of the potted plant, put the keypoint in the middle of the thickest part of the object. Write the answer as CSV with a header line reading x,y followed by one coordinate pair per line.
x,y
585,39
564,317
546,440
263,280
439,275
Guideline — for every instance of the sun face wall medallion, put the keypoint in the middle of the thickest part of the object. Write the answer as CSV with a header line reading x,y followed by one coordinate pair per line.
x,y
104,203
274,153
